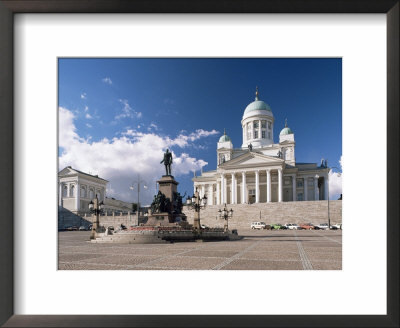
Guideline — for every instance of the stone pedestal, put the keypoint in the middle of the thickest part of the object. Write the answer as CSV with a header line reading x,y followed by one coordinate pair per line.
x,y
160,219
168,185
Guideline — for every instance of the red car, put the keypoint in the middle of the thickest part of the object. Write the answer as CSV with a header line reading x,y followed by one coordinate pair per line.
x,y
307,226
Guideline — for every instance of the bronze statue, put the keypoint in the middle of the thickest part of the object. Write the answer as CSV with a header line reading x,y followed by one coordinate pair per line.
x,y
167,162
250,146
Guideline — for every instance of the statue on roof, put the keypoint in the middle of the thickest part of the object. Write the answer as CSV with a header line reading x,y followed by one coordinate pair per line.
x,y
167,160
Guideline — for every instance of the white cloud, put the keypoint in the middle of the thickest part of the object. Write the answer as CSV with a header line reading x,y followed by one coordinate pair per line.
x,y
83,95
88,116
106,80
86,108
335,182
120,159
127,111
89,125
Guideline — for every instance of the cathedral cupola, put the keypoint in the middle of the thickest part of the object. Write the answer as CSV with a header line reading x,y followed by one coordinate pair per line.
x,y
257,124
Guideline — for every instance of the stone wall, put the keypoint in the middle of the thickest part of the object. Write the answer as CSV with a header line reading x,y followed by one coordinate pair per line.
x,y
286,212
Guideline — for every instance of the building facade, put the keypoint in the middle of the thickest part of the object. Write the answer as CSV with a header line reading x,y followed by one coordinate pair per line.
x,y
77,189
261,171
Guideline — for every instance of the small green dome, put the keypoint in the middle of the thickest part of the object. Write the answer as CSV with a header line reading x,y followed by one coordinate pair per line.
x,y
224,138
286,130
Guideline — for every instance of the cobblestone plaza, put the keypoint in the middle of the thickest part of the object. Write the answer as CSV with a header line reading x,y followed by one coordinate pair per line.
x,y
258,250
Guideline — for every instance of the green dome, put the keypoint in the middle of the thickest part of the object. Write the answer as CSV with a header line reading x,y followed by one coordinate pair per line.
x,y
286,131
257,105
224,138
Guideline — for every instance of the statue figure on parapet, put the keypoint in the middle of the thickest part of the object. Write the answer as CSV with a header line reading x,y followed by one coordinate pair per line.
x,y
167,160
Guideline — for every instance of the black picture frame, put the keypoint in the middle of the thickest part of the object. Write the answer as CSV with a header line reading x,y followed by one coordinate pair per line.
x,y
7,10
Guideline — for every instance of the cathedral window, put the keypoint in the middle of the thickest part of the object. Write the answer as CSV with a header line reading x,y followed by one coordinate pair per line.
x,y
72,191
269,135
269,125
91,193
263,134
255,124
255,134
65,191
263,124
299,196
83,192
299,183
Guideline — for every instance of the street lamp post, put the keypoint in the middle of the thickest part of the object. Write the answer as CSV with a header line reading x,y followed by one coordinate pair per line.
x,y
95,207
225,214
197,203
138,182
329,217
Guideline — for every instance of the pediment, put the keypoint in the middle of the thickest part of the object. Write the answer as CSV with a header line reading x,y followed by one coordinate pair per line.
x,y
67,171
252,159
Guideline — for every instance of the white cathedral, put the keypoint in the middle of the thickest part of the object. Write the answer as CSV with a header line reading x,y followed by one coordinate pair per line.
x,y
261,171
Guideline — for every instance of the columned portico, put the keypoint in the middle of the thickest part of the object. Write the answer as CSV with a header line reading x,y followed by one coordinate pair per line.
x,y
244,188
268,186
257,186
280,185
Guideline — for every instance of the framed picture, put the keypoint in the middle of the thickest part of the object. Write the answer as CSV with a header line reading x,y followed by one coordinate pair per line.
x,y
24,208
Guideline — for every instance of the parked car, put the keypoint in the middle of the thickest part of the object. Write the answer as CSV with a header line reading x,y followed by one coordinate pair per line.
x,y
203,226
322,226
307,226
336,226
277,226
82,228
292,226
258,225
90,226
111,228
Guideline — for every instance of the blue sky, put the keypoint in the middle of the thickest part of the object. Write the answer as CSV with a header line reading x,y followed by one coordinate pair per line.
x,y
117,116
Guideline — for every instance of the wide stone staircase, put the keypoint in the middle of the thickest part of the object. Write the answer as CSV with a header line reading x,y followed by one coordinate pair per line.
x,y
286,212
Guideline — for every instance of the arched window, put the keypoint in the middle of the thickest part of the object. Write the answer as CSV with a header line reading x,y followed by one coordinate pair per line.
x,y
72,191
65,191
91,193
83,192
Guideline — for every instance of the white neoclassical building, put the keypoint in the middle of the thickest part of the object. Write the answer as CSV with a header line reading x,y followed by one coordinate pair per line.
x,y
261,171
77,189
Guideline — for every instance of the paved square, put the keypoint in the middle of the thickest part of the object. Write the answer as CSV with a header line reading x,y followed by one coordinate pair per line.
x,y
258,250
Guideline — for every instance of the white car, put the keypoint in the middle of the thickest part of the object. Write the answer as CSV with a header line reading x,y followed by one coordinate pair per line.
x,y
292,226
337,226
322,226
258,225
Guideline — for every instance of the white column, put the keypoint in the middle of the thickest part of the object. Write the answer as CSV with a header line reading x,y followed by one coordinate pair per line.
x,y
326,187
316,195
77,193
218,194
257,187
203,190
232,187
210,196
235,189
305,188
259,129
268,186
68,189
244,187
280,185
225,189
294,187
